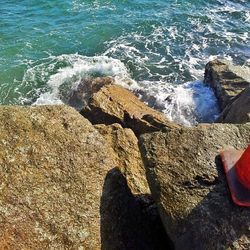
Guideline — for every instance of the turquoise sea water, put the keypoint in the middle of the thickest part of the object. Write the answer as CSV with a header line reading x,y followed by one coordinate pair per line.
x,y
156,47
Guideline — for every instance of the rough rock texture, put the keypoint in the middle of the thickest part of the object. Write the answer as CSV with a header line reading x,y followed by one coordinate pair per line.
x,y
239,110
187,181
114,104
53,164
61,188
226,80
123,145
78,97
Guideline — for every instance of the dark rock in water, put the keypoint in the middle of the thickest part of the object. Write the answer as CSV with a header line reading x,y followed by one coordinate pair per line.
x,y
187,182
64,185
114,104
239,110
226,80
78,97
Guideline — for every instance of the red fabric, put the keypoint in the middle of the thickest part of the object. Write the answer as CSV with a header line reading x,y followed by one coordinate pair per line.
x,y
243,168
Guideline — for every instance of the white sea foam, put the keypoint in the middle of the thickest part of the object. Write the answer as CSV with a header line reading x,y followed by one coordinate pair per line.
x,y
191,103
187,104
166,60
68,70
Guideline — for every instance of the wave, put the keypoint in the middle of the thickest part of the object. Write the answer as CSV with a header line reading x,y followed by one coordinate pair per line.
x,y
187,104
52,76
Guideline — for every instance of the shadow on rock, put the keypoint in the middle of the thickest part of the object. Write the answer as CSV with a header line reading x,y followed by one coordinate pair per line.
x,y
216,222
128,221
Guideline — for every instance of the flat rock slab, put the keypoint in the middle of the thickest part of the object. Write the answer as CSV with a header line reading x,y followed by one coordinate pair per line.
x,y
187,181
226,79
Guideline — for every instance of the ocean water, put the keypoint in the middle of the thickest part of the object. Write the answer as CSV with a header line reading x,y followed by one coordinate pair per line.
x,y
157,48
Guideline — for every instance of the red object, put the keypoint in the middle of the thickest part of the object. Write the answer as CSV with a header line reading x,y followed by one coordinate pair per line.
x,y
237,170
242,168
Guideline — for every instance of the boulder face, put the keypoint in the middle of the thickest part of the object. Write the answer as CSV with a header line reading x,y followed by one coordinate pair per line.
x,y
187,181
53,165
123,145
114,104
226,80
64,186
238,111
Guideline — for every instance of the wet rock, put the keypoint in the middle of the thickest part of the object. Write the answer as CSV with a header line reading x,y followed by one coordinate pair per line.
x,y
226,80
114,104
187,181
79,96
238,111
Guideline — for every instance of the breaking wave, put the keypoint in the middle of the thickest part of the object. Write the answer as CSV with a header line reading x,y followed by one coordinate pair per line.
x,y
187,104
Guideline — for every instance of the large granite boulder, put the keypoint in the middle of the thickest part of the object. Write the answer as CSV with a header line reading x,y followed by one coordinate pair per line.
x,y
226,79
115,104
187,181
238,111
63,187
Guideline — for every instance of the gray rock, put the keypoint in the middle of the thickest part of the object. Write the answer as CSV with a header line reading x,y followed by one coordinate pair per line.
x,y
187,181
238,111
226,80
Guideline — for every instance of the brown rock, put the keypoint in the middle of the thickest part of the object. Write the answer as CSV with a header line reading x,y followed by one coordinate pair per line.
x,y
53,164
62,187
124,150
114,104
126,200
226,80
239,110
187,181
78,97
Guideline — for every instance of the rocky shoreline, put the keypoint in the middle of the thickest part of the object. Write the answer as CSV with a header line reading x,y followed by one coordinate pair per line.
x,y
119,175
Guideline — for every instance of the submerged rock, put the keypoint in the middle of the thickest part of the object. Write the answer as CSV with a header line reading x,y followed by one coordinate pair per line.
x,y
114,104
226,80
187,181
64,186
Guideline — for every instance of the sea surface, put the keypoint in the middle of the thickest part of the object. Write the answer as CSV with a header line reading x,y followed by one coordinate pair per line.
x,y
157,48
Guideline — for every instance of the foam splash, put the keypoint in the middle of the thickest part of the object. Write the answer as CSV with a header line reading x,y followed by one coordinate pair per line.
x,y
191,103
188,103
66,71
